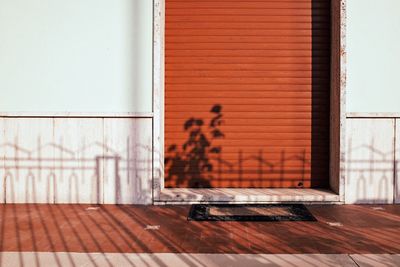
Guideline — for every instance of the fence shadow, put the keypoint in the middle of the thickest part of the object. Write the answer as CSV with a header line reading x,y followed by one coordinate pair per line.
x,y
127,229
199,161
93,173
371,174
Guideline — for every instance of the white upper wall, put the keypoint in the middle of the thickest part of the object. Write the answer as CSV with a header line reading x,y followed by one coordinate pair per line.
x,y
373,45
95,55
76,55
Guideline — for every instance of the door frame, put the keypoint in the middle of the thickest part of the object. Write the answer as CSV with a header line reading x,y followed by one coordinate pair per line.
x,y
337,100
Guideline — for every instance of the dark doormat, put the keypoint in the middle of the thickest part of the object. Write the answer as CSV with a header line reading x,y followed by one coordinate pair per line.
x,y
250,212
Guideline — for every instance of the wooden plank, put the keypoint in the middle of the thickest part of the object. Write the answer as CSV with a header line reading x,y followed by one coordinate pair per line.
x,y
3,172
369,161
128,161
78,172
28,152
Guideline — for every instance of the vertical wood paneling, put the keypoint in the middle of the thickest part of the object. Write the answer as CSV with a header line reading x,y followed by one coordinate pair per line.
x,y
80,147
267,65
28,152
76,160
3,172
369,160
127,161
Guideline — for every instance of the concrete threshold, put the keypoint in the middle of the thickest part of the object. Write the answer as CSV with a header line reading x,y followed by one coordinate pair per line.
x,y
246,196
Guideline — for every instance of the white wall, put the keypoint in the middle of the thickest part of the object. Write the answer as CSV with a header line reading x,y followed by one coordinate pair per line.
x,y
373,41
76,55
90,56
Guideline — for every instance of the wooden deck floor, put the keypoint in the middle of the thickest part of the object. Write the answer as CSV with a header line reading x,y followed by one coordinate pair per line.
x,y
150,229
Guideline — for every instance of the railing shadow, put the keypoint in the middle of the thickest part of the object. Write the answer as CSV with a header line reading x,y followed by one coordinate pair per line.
x,y
127,234
199,162
370,174
53,173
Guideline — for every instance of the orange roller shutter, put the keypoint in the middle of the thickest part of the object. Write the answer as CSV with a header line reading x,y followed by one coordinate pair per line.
x,y
247,93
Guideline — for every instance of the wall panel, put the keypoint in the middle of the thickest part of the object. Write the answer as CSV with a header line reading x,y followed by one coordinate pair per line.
x,y
76,160
27,171
369,160
127,161
78,142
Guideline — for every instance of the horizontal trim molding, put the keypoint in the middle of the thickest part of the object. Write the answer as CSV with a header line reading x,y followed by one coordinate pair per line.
x,y
76,115
382,115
